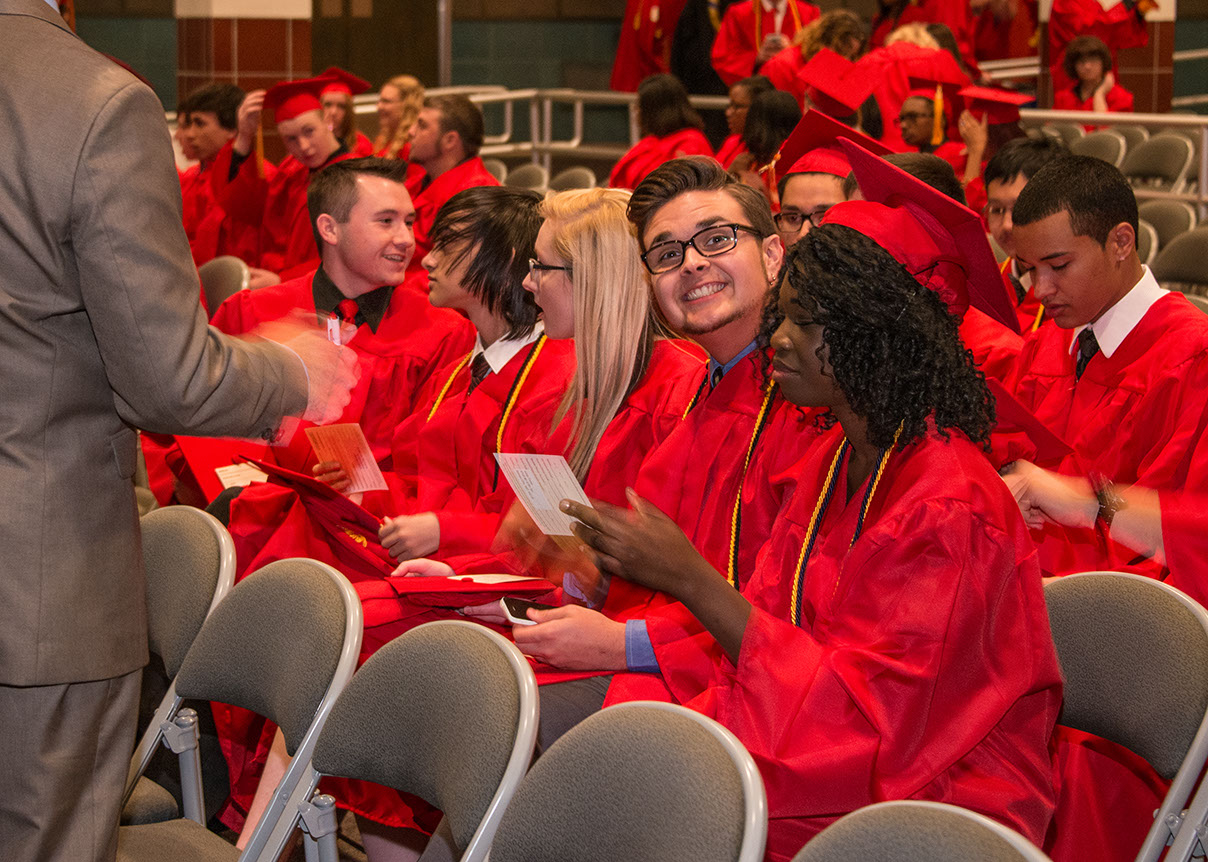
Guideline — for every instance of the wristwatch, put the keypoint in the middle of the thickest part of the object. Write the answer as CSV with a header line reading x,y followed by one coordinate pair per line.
x,y
1109,501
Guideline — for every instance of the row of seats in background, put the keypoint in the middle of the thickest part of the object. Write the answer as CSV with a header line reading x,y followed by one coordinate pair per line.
x,y
1166,161
536,177
449,710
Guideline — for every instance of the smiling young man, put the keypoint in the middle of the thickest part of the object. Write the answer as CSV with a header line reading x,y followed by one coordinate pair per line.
x,y
1123,375
255,193
445,139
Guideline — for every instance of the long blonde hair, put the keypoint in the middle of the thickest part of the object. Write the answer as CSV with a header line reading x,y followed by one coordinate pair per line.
x,y
915,33
411,92
615,325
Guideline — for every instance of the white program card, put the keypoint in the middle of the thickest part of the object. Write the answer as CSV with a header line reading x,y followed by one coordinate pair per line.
x,y
239,475
347,444
542,482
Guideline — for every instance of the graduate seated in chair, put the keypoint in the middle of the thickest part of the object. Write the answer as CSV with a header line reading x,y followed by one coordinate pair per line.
x,y
670,128
891,639
1122,376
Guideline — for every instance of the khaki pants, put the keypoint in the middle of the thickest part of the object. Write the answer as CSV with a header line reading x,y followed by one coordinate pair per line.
x,y
64,753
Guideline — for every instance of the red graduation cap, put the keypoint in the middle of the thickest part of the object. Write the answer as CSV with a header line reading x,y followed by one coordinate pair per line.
x,y
1002,106
811,148
292,98
964,272
345,82
836,85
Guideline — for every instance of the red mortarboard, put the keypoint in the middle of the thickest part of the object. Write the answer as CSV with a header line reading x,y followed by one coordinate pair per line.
x,y
836,85
345,82
1002,105
964,271
818,133
291,98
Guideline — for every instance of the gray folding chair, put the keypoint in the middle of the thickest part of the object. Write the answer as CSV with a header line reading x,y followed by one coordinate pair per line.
x,y
577,177
1161,163
1135,656
1200,302
638,781
496,168
190,563
918,831
1147,242
1067,132
448,712
1169,218
1105,144
283,644
530,176
222,278
1183,264
1133,135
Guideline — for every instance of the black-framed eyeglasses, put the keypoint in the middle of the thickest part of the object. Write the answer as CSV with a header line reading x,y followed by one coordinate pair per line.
x,y
794,219
709,242
536,266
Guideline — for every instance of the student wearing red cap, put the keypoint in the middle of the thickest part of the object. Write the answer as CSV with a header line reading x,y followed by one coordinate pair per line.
x,y
1123,373
924,121
891,641
274,199
336,101
989,120
670,128
839,30
841,89
445,139
753,31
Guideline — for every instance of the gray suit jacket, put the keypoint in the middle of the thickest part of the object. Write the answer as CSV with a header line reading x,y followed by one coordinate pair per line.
x,y
100,330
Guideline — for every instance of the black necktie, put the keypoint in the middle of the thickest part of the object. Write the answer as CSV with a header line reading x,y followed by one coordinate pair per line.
x,y
716,377
1020,290
1087,347
479,369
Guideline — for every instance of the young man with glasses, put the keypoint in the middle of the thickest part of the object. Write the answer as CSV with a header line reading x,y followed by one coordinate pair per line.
x,y
712,252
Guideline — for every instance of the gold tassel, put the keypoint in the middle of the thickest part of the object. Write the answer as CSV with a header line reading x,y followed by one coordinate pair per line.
x,y
937,122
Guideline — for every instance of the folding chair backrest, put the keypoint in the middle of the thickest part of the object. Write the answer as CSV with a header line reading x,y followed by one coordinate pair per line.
x,y
1135,656
1105,144
273,645
1159,163
577,177
1067,132
1184,262
638,781
222,277
1147,242
190,563
448,712
496,168
918,831
1133,135
528,176
1169,218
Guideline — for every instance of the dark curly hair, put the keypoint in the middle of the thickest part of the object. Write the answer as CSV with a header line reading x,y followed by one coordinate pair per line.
x,y
892,345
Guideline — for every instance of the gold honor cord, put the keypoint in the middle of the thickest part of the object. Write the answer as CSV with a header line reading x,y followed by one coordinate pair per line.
x,y
445,389
819,513
695,398
736,517
514,394
758,4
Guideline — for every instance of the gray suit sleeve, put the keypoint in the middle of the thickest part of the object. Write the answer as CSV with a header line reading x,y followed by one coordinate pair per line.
x,y
169,371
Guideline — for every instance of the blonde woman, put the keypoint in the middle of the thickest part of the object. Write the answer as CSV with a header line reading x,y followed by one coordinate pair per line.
x,y
399,102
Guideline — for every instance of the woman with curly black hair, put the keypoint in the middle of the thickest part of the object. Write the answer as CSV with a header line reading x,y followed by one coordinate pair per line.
x,y
892,642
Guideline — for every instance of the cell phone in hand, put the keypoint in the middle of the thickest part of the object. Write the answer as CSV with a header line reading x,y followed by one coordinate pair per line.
x,y
516,610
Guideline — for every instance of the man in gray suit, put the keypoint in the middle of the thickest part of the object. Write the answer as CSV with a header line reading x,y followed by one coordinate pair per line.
x,y
100,331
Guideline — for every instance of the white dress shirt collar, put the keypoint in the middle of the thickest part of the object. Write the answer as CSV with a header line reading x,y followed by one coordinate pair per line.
x,y
501,352
1113,325
776,8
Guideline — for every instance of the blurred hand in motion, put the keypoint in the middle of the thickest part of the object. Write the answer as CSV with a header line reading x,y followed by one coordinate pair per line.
x,y
409,536
331,473
331,370
549,557
422,567
1044,496
258,278
247,121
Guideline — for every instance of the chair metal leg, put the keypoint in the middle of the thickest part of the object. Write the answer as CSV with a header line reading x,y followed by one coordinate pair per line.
x,y
321,827
182,736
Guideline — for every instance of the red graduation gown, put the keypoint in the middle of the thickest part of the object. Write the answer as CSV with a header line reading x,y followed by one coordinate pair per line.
x,y
1132,417
650,152
784,70
1118,27
736,47
1067,99
891,67
276,204
430,198
644,45
923,666
730,149
995,348
211,232
953,13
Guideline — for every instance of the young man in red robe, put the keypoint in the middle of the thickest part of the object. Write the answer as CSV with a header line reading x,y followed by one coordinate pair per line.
x,y
445,140
1123,375
850,670
273,200
753,31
